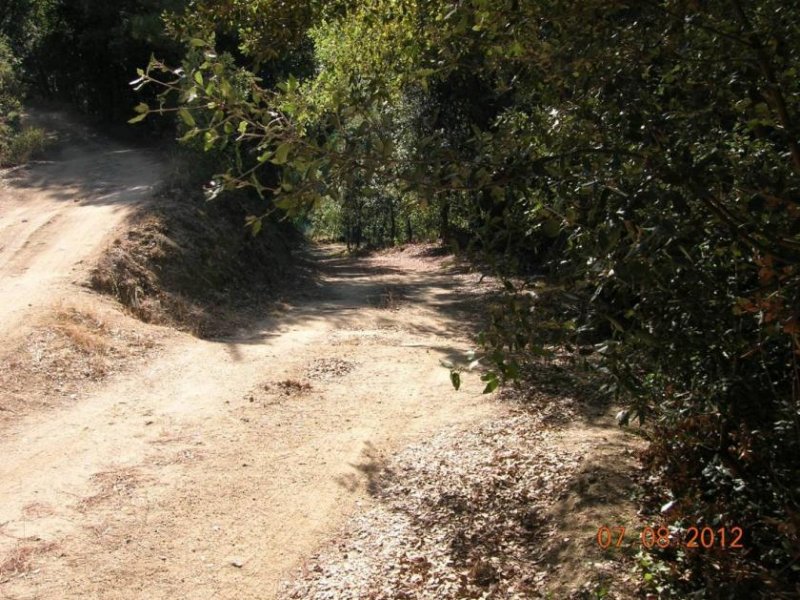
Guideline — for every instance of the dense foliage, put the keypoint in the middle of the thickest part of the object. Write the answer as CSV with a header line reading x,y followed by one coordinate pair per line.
x,y
20,30
9,94
84,52
17,142
634,168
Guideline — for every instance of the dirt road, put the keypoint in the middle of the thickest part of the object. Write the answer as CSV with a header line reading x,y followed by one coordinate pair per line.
x,y
55,215
215,469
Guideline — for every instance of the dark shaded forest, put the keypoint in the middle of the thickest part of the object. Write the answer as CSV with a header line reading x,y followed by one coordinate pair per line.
x,y
631,170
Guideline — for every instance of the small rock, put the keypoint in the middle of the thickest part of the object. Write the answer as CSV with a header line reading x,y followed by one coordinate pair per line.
x,y
237,562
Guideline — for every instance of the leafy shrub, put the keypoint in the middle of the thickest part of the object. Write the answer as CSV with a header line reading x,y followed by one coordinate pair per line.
x,y
23,145
18,143
9,98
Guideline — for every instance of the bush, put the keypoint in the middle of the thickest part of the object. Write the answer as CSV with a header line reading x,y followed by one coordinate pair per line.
x,y
18,143
23,145
9,98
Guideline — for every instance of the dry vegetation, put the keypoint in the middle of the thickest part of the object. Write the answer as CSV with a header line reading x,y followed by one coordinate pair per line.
x,y
67,354
110,485
192,264
391,299
289,387
508,510
329,368
22,560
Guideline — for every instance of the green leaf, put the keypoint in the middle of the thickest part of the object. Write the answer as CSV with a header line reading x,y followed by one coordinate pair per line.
x,y
255,224
455,379
142,108
198,77
551,228
281,154
189,135
138,118
615,324
209,139
491,386
492,382
187,117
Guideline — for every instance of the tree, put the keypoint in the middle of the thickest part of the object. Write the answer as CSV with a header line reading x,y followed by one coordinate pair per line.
x,y
641,158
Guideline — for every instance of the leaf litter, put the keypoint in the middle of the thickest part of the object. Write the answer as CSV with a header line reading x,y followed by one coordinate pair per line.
x,y
478,514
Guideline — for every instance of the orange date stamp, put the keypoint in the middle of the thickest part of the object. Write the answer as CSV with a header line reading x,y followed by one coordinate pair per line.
x,y
661,537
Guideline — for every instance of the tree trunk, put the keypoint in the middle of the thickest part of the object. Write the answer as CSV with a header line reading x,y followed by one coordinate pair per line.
x,y
392,224
358,231
444,219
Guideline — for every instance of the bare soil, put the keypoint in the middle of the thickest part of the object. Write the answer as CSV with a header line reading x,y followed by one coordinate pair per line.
x,y
189,468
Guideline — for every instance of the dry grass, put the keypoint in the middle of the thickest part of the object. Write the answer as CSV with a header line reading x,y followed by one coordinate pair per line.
x,y
37,510
20,561
178,262
85,330
17,562
67,353
85,340
112,485
81,344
